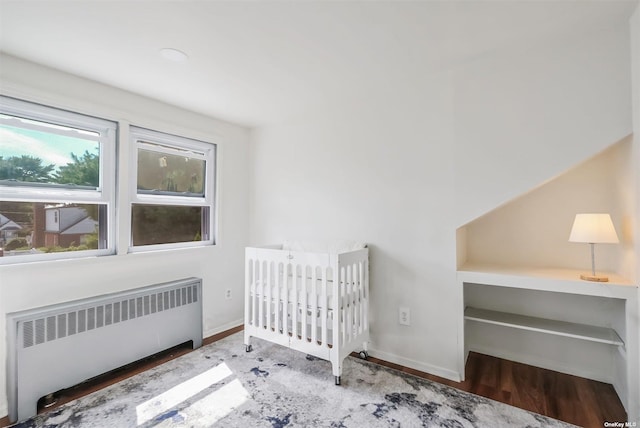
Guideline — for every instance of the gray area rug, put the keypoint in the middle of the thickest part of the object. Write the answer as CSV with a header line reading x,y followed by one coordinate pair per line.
x,y
221,385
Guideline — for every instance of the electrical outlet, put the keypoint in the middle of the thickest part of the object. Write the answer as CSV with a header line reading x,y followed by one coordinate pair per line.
x,y
227,294
404,316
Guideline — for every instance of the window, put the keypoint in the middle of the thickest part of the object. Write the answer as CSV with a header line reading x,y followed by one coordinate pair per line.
x,y
57,179
173,193
57,186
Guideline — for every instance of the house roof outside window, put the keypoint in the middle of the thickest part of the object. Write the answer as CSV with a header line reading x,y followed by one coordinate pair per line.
x,y
8,224
86,225
74,220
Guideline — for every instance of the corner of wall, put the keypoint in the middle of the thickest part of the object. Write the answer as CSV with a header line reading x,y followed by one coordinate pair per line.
x,y
634,24
461,246
635,152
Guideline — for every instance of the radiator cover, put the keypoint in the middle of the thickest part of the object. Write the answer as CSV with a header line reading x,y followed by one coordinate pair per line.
x,y
55,347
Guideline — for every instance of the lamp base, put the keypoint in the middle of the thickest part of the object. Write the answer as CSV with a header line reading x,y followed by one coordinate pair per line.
x,y
596,278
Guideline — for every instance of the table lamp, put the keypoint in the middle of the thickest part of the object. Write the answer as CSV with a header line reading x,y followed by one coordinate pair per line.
x,y
593,229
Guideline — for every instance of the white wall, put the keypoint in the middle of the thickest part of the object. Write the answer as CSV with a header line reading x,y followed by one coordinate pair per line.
x,y
402,168
522,118
31,285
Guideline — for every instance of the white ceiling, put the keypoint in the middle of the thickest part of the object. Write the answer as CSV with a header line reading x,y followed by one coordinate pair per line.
x,y
259,62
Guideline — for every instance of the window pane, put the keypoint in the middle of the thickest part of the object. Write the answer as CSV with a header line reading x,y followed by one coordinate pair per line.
x,y
59,156
169,174
46,227
165,224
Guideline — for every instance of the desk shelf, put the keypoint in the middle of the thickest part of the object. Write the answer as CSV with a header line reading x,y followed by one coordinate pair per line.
x,y
555,280
543,325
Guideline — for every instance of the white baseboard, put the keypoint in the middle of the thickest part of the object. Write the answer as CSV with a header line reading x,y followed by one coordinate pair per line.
x,y
416,365
223,328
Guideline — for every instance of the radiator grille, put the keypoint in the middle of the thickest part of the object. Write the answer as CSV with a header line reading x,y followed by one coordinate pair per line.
x,y
79,321
40,331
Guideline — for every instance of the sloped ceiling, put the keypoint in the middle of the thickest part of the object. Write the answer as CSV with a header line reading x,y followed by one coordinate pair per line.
x,y
533,229
256,63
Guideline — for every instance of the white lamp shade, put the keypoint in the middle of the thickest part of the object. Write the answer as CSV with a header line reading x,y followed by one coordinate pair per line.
x,y
593,228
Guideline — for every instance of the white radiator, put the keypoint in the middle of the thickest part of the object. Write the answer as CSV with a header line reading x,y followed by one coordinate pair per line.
x,y
58,346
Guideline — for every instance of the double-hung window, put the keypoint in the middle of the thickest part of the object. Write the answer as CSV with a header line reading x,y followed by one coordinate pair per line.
x,y
57,183
172,191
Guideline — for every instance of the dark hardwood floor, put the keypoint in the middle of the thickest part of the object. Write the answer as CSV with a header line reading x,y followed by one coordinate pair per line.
x,y
572,399
576,400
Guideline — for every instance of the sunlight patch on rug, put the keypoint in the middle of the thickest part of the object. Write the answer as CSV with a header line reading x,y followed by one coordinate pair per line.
x,y
160,404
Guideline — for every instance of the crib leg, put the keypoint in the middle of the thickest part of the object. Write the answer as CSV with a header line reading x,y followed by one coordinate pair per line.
x,y
248,348
337,380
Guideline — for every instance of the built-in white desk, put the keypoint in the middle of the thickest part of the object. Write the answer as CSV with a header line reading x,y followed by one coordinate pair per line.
x,y
556,280
584,328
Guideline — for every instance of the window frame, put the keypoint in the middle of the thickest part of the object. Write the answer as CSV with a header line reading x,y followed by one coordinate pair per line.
x,y
147,139
103,195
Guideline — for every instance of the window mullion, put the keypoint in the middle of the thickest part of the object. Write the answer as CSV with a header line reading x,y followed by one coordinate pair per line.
x,y
163,148
169,200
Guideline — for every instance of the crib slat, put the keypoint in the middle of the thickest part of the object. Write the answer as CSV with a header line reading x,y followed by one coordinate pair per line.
x,y
276,302
349,302
314,305
343,308
365,273
353,301
269,309
360,298
247,292
366,293
255,291
303,290
294,303
356,301
323,304
285,299
260,295
363,301
335,298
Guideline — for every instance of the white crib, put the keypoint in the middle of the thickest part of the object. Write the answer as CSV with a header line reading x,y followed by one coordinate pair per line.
x,y
314,302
